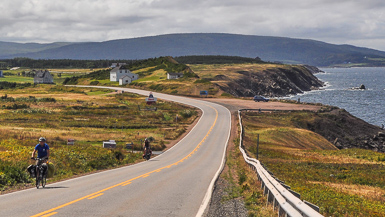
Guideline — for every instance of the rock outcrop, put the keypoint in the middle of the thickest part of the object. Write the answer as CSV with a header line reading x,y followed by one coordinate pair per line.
x,y
313,69
361,87
346,131
272,82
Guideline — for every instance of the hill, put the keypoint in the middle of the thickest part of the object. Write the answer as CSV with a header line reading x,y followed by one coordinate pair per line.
x,y
286,50
245,78
9,48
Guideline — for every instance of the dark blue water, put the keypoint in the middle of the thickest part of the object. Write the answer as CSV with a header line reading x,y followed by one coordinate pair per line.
x,y
368,104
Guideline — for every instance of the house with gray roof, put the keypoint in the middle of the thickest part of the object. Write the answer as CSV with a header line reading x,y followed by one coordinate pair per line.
x,y
120,71
43,77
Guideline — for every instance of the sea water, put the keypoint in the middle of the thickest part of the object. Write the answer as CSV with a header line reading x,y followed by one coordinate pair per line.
x,y
368,105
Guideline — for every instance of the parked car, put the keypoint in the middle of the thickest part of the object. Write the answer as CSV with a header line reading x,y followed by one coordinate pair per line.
x,y
260,98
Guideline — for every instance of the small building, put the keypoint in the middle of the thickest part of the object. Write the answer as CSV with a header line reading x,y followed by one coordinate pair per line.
x,y
43,77
109,144
174,75
125,80
113,65
120,71
1,74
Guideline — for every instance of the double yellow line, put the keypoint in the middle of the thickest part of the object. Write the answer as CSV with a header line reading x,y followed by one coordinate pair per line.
x,y
52,212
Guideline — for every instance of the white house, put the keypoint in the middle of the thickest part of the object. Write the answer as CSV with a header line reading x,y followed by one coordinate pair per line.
x,y
125,80
1,74
119,72
174,75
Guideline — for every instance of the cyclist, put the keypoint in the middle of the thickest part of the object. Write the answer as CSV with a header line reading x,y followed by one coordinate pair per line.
x,y
146,146
42,150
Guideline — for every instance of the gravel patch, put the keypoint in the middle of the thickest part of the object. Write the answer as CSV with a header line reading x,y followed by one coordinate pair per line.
x,y
220,206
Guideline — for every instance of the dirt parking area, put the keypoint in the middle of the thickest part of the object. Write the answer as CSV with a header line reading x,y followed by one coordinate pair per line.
x,y
237,104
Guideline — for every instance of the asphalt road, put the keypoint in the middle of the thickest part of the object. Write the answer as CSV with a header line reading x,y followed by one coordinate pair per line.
x,y
176,183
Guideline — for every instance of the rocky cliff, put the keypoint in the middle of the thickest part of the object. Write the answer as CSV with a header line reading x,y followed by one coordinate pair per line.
x,y
281,80
346,131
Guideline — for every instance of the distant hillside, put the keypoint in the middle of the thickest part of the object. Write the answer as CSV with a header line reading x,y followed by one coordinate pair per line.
x,y
286,50
14,49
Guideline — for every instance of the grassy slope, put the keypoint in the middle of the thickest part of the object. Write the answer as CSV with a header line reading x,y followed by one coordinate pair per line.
x,y
342,182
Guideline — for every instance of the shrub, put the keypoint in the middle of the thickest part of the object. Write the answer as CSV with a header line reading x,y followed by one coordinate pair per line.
x,y
187,113
226,95
16,106
202,81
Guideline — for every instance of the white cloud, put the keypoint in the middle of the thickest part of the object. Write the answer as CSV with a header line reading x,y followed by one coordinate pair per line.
x,y
345,21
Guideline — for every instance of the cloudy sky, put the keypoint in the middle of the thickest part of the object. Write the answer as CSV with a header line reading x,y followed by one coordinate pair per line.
x,y
356,22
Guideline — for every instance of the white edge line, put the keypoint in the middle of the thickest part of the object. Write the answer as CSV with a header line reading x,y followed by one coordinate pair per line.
x,y
209,191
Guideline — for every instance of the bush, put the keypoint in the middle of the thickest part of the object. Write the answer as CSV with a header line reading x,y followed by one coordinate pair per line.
x,y
13,173
187,113
16,106
13,85
202,81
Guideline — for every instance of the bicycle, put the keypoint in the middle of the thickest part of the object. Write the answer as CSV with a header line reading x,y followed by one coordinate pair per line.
x,y
148,154
41,172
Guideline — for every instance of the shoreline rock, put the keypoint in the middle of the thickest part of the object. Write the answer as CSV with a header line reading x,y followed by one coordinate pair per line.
x,y
361,87
347,131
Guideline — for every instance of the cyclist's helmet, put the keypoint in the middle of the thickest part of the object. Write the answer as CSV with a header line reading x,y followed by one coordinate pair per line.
x,y
42,139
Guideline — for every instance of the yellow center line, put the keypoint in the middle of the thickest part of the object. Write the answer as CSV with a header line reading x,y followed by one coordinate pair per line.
x,y
90,198
127,182
51,214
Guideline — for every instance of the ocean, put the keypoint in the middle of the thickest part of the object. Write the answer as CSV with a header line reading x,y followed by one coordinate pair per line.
x,y
368,105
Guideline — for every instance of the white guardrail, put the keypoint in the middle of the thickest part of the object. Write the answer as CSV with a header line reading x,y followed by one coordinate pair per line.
x,y
286,201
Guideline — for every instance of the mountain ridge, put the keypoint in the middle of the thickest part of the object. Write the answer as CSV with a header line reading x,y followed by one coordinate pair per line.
x,y
268,48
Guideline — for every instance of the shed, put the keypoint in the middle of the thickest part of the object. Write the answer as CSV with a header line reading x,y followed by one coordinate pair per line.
x,y
174,75
113,65
125,80
109,144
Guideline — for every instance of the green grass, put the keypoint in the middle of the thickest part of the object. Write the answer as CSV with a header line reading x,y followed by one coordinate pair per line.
x,y
17,79
68,161
95,93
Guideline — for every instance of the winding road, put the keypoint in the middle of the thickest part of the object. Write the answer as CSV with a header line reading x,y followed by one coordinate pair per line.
x,y
176,183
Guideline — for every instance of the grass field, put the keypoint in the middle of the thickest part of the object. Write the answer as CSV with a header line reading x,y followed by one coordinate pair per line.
x,y
90,116
17,79
205,71
346,182
12,75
